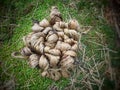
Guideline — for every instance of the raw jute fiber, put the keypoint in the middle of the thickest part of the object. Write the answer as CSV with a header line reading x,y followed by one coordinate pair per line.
x,y
52,46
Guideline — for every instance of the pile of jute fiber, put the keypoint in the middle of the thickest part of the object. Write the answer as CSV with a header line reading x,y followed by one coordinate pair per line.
x,y
52,46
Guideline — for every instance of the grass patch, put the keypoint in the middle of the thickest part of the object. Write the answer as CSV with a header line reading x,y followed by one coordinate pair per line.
x,y
88,13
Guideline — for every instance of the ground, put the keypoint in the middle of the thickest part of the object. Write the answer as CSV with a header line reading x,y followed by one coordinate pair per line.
x,y
98,45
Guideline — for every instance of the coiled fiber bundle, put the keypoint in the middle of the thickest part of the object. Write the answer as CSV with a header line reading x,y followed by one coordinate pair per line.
x,y
52,46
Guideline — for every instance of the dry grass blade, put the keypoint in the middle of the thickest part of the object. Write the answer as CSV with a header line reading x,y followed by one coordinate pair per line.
x,y
106,48
53,87
108,62
90,68
85,29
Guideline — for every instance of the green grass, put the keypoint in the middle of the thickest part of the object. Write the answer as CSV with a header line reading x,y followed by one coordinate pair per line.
x,y
88,13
